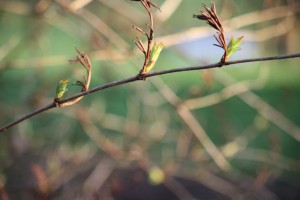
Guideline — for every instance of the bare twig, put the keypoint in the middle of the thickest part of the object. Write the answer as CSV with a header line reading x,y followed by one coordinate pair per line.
x,y
135,78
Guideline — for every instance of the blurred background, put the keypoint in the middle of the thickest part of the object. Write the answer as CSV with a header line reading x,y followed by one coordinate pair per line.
x,y
226,133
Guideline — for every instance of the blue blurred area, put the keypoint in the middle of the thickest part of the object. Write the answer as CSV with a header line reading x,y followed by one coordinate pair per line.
x,y
204,49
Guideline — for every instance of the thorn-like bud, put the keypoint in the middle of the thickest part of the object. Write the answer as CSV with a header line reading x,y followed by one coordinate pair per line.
x,y
140,30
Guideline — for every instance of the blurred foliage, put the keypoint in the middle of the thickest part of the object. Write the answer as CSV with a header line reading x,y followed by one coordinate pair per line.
x,y
140,122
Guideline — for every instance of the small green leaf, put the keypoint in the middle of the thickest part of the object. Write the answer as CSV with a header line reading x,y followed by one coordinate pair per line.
x,y
61,88
234,45
155,51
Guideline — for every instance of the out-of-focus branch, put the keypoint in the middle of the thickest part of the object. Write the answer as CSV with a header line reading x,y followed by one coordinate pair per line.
x,y
78,4
97,24
169,7
200,134
127,10
264,109
6,48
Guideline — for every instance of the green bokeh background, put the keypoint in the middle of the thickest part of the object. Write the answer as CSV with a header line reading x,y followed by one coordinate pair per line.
x,y
34,52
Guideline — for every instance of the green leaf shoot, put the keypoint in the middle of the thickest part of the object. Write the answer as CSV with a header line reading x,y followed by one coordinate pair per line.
x,y
234,45
155,52
61,88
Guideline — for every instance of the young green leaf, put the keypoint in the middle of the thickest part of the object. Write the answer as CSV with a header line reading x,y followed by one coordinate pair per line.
x,y
234,45
61,88
155,51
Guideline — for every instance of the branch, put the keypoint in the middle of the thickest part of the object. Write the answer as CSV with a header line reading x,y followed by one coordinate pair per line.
x,y
28,116
138,77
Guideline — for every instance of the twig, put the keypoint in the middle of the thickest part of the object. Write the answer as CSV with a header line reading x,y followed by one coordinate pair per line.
x,y
84,60
136,78
212,19
28,116
148,50
234,23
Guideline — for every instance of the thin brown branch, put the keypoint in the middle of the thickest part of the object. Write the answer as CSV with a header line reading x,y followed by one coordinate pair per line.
x,y
137,78
28,116
215,65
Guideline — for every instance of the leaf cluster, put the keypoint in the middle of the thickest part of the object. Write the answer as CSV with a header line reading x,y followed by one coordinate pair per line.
x,y
211,17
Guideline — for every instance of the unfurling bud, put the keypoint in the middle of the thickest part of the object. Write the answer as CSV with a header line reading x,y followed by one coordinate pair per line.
x,y
155,51
234,45
61,88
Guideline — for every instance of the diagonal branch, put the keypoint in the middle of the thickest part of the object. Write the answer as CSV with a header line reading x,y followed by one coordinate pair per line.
x,y
135,78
